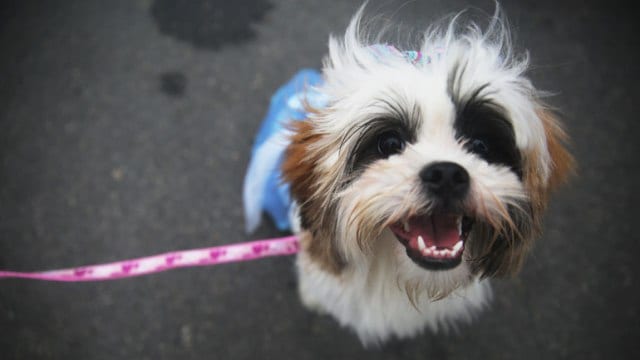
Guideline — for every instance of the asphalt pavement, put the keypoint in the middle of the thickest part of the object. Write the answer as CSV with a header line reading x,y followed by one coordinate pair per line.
x,y
126,128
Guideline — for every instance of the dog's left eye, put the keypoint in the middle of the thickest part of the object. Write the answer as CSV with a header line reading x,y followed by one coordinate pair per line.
x,y
390,143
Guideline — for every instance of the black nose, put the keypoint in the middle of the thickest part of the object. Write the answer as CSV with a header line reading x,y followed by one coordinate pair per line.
x,y
446,180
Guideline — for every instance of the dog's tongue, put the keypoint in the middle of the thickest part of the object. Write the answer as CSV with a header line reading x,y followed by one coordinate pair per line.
x,y
436,230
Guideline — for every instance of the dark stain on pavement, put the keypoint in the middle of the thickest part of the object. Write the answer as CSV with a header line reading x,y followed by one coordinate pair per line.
x,y
173,83
209,24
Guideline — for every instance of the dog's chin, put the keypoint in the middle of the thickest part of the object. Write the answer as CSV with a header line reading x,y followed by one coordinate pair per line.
x,y
434,241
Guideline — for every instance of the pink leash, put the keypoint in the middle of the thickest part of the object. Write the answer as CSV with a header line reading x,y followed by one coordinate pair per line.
x,y
168,261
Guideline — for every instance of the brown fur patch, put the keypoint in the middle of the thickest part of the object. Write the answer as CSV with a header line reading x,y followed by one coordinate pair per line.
x,y
563,164
299,169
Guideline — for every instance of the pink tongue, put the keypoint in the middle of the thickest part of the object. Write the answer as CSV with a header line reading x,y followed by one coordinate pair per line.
x,y
438,230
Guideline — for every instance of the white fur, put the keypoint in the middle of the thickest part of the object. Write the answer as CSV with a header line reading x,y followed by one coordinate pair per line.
x,y
372,295
372,301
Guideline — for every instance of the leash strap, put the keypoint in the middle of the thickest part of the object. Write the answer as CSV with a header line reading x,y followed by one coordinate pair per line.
x,y
167,261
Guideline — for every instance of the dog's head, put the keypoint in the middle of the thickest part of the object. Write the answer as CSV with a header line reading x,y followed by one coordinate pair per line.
x,y
449,156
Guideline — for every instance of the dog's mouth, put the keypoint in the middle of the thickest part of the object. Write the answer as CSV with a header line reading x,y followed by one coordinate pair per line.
x,y
434,241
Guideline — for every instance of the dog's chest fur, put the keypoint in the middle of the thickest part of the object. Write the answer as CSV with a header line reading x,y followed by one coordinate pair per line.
x,y
374,301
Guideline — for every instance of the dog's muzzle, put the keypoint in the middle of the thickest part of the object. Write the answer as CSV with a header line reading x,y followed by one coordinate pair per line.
x,y
435,240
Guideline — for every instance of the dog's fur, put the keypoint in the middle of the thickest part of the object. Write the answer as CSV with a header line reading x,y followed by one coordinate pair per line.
x,y
357,190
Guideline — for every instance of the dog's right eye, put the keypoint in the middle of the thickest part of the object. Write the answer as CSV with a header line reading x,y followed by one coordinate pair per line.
x,y
390,143
479,147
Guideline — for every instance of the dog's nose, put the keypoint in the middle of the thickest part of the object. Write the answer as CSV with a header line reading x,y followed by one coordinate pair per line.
x,y
447,180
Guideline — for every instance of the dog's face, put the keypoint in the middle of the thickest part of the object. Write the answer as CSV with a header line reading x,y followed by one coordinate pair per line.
x,y
450,159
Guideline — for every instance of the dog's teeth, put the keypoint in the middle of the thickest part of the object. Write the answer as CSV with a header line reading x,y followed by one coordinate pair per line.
x,y
406,226
429,250
421,244
457,246
459,222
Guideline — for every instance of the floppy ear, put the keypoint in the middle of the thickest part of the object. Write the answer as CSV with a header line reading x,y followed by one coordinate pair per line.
x,y
299,169
562,162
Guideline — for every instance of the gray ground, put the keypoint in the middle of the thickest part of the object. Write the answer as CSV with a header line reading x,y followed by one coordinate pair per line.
x,y
126,129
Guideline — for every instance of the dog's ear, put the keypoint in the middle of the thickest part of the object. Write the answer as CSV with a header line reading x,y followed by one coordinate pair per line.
x,y
562,162
298,167
560,165
300,170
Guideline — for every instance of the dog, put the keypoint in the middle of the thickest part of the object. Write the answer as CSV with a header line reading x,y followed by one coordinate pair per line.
x,y
420,176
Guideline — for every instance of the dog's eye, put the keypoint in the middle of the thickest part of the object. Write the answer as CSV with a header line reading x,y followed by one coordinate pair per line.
x,y
390,143
479,147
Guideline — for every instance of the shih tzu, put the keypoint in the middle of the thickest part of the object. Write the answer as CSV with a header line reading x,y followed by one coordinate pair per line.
x,y
417,176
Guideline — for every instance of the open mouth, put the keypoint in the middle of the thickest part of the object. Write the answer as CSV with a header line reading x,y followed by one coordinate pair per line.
x,y
434,241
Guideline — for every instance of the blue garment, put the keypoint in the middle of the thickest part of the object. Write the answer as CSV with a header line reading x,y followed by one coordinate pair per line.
x,y
263,186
